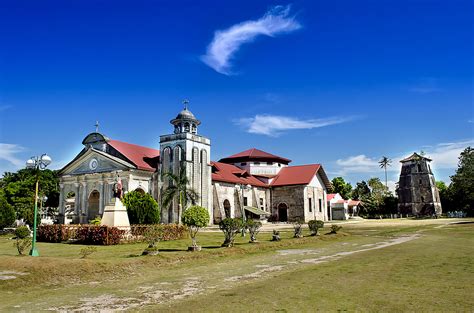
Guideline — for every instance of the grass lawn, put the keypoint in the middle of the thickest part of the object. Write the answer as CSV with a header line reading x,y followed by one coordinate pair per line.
x,y
389,265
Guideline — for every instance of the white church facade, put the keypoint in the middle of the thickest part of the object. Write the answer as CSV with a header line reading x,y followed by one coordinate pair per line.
x,y
255,183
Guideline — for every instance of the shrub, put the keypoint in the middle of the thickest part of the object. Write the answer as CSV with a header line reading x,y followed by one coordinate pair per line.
x,y
169,231
298,228
276,235
254,228
85,252
22,232
99,235
152,236
141,208
315,226
335,229
23,240
230,227
195,218
7,212
55,233
96,221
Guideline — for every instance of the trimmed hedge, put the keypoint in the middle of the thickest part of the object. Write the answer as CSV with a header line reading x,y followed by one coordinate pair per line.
x,y
104,235
169,231
55,233
99,235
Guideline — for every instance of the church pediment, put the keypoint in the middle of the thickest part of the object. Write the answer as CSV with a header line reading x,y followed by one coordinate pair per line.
x,y
94,161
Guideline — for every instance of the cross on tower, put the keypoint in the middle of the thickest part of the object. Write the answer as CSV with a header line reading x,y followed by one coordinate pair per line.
x,y
185,103
96,126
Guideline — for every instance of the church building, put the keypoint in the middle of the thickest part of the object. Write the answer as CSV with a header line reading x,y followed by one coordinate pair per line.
x,y
253,182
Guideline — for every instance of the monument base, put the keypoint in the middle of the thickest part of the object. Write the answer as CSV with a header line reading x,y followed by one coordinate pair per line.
x,y
115,214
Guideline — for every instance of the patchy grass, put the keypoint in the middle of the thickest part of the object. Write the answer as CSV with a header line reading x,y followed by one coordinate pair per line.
x,y
431,273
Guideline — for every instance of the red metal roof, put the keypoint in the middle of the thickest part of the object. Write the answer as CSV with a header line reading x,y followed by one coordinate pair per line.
x,y
300,175
136,154
232,174
331,196
254,155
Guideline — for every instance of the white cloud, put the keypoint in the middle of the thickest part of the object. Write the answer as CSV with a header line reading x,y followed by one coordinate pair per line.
x,y
273,125
8,153
358,164
444,156
227,42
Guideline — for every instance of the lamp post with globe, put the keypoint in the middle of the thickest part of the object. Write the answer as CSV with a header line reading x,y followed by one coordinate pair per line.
x,y
37,163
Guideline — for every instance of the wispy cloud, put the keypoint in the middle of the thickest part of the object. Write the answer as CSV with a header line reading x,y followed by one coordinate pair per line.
x,y
227,42
274,125
444,156
4,107
8,153
426,85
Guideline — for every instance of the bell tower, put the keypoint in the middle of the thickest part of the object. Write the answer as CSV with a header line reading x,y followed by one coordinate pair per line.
x,y
417,191
185,150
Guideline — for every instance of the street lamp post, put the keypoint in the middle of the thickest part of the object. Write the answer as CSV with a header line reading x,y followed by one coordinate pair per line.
x,y
37,163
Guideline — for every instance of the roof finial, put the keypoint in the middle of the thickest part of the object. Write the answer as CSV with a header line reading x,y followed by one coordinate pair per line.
x,y
185,103
96,126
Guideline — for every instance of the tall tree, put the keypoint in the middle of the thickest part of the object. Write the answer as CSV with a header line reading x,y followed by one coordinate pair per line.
x,y
141,208
361,191
19,189
178,189
340,186
384,163
462,185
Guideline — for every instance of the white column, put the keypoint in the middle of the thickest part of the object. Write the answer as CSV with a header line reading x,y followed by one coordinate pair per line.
x,y
102,197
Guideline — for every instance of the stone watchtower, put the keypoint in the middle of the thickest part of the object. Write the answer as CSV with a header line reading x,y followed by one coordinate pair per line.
x,y
186,150
417,192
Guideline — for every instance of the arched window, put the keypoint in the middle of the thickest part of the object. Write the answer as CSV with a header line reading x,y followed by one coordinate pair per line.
x,y
186,127
194,129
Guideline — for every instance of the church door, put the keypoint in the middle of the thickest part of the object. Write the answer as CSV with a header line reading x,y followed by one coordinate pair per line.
x,y
282,212
226,208
93,205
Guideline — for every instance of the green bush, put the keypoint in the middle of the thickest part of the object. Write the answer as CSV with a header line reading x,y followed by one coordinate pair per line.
x,y
85,252
22,240
22,232
96,221
253,227
195,218
298,229
7,213
335,228
141,208
230,227
315,226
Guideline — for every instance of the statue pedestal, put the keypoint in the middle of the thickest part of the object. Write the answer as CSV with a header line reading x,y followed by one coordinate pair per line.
x,y
115,214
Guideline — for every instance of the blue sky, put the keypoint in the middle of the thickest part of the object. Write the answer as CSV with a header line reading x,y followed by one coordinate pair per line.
x,y
340,83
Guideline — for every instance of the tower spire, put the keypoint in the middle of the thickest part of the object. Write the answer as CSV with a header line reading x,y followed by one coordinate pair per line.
x,y
185,103
96,126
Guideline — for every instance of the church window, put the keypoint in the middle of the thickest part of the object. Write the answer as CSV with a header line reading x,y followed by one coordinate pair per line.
x,y
279,165
194,129
245,201
186,127
261,201
422,199
419,167
421,182
269,163
310,202
320,205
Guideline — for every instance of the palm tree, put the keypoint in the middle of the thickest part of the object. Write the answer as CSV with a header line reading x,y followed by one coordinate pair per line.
x,y
179,189
384,162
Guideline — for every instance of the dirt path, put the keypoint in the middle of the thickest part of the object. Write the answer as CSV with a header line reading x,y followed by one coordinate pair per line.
x,y
160,290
